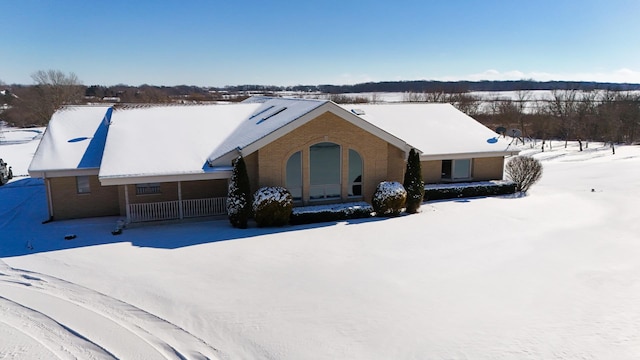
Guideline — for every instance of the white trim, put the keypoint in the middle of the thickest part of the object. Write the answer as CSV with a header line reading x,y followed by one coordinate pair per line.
x,y
124,180
63,173
468,155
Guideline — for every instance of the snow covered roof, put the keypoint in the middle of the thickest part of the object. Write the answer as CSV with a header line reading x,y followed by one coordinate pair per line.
x,y
168,141
271,115
437,130
74,140
156,143
278,116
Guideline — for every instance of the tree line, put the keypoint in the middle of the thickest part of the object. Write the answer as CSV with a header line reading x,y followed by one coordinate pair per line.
x,y
569,115
582,111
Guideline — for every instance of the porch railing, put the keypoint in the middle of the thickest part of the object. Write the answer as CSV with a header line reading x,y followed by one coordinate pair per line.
x,y
204,207
171,210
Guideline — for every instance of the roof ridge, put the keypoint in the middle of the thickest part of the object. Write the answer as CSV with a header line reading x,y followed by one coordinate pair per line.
x,y
127,106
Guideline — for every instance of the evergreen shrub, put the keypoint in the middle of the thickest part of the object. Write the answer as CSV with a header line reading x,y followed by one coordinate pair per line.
x,y
317,214
239,195
463,190
413,182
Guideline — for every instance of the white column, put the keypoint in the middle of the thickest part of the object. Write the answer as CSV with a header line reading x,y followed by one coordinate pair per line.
x,y
126,202
180,200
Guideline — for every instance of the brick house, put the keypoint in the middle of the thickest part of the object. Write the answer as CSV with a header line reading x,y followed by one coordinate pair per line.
x,y
155,162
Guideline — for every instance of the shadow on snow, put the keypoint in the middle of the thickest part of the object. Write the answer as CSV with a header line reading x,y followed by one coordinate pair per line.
x,y
23,208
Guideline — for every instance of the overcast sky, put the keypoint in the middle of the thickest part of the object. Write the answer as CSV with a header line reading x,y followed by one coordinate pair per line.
x,y
272,42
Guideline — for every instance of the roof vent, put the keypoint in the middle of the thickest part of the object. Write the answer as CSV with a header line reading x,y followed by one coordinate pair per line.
x,y
357,111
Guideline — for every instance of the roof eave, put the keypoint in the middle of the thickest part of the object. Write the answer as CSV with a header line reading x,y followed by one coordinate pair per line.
x,y
51,173
468,155
141,179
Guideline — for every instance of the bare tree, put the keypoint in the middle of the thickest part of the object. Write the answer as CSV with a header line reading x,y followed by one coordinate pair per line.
x,y
563,107
524,171
467,103
35,104
436,96
151,95
53,89
411,96
618,114
629,104
584,116
523,97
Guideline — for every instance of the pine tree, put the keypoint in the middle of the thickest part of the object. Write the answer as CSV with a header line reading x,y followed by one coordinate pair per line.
x,y
413,182
239,195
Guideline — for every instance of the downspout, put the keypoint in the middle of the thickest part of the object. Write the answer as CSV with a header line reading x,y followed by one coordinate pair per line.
x,y
49,199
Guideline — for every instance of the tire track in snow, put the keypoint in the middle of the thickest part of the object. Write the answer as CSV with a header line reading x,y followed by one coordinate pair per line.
x,y
160,337
51,336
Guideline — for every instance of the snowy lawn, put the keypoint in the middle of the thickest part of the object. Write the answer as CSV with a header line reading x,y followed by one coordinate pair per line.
x,y
554,274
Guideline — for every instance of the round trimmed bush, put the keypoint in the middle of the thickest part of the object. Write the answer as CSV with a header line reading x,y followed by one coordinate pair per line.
x,y
272,206
389,199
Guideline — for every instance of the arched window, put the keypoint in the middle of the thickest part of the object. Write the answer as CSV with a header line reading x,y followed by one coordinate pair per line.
x,y
324,169
355,173
294,175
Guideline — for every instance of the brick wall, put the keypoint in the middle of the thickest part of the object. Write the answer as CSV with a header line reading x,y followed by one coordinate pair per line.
x,y
488,168
482,169
431,171
381,161
68,204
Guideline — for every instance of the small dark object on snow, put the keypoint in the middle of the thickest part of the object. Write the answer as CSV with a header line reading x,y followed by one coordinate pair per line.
x,y
119,226
70,236
593,190
6,173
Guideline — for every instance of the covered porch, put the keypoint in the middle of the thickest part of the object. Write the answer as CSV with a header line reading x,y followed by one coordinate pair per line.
x,y
173,200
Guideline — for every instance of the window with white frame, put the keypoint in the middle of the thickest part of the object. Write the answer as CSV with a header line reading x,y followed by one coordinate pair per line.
x,y
147,188
456,170
324,169
83,185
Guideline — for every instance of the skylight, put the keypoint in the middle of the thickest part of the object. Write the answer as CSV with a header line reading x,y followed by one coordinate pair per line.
x,y
262,111
272,115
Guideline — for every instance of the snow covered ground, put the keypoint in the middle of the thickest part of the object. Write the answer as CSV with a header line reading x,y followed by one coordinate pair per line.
x,y
552,275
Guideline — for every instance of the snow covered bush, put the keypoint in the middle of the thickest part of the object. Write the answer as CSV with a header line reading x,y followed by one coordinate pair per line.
x,y
239,195
272,206
524,171
413,182
389,199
